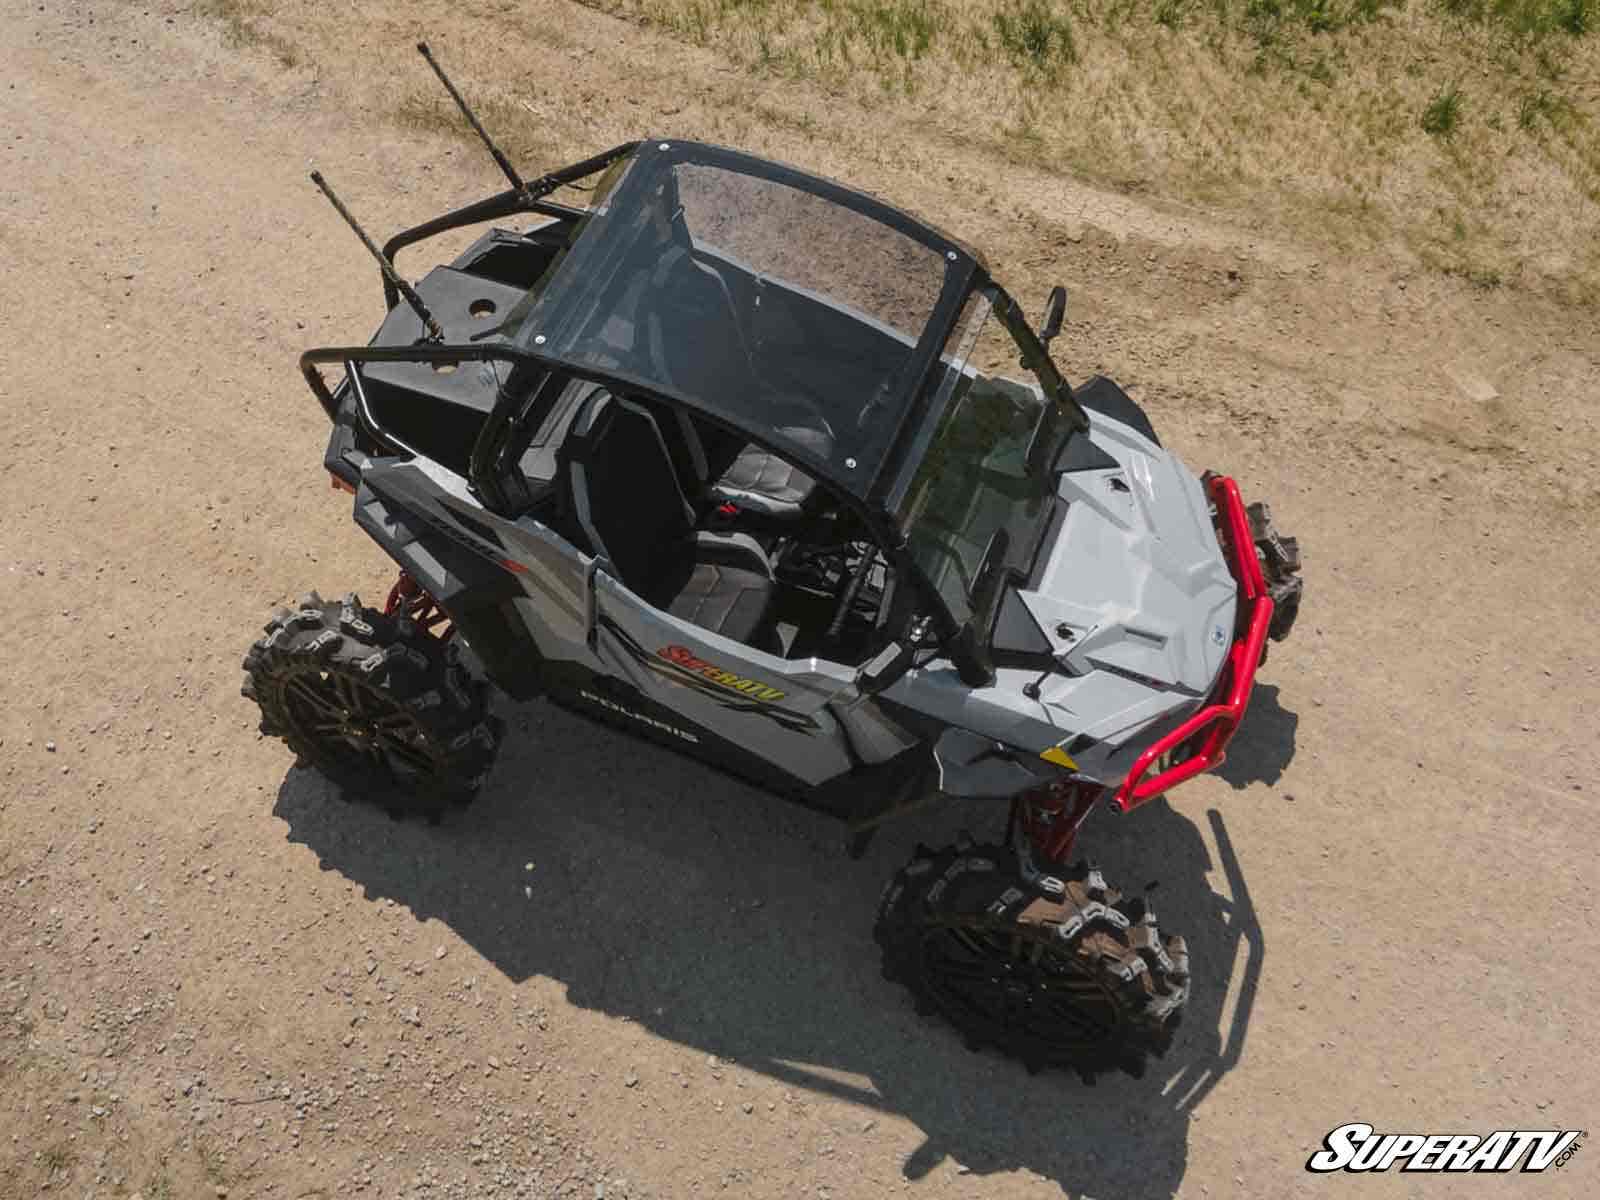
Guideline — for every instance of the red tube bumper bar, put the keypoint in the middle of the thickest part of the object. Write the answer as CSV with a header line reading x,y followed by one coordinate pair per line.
x,y
1216,722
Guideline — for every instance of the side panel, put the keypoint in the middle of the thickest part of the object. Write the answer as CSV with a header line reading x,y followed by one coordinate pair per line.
x,y
519,593
614,702
776,709
552,622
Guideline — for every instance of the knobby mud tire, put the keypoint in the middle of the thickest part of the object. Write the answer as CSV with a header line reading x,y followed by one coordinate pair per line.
x,y
382,708
1055,971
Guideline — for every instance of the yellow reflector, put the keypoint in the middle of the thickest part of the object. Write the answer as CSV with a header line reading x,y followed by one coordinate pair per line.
x,y
1060,757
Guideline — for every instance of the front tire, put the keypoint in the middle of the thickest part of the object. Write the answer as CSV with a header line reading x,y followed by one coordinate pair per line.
x,y
377,704
1055,971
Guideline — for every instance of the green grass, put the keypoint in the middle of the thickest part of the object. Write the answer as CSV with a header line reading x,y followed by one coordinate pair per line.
x,y
1529,20
1544,107
890,29
1443,113
1034,35
1270,20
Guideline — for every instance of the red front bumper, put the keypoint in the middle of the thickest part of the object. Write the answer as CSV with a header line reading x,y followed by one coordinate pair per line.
x,y
1214,725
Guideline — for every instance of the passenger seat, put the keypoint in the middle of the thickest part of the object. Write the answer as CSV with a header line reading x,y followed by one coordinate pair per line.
x,y
693,341
730,470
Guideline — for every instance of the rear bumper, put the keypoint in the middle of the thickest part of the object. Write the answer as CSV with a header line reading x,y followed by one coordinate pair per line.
x,y
1201,742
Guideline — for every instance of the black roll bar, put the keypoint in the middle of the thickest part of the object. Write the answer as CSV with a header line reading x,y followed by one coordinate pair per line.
x,y
528,198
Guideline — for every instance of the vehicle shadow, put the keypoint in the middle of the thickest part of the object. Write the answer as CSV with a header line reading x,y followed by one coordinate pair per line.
x,y
733,923
1264,746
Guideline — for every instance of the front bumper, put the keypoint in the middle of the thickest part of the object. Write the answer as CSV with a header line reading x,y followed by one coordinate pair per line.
x,y
1200,743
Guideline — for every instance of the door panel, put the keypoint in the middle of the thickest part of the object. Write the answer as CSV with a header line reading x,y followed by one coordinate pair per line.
x,y
773,708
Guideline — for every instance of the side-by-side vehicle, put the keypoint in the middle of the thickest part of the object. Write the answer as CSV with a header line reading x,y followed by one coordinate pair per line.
x,y
755,466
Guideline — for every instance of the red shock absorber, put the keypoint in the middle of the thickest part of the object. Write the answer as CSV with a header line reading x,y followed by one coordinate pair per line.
x,y
408,599
1050,817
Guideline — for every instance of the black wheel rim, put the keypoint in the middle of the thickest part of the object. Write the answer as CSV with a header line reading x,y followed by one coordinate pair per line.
x,y
1020,989
356,728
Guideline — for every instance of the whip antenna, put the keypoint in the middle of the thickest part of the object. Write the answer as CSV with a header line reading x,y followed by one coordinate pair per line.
x,y
400,285
477,127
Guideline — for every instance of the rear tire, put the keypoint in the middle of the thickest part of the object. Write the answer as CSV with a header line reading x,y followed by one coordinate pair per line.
x,y
375,703
1053,971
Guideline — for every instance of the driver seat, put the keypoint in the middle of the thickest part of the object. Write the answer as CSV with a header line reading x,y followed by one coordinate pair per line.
x,y
627,501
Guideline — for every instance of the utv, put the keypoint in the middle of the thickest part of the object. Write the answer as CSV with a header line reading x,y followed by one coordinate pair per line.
x,y
719,459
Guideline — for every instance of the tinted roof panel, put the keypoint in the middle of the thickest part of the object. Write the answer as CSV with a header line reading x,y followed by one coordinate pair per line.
x,y
784,304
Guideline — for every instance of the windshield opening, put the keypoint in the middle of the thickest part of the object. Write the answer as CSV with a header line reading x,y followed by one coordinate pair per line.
x,y
977,503
771,299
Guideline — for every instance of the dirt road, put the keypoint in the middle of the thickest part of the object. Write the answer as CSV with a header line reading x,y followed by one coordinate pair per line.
x,y
618,975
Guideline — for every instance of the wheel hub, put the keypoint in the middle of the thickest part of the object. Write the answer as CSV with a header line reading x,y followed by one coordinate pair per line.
x,y
346,713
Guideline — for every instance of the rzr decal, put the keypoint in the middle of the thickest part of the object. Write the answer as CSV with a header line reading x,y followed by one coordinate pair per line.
x,y
753,688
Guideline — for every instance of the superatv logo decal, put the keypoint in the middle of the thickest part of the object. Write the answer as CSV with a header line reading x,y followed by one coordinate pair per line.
x,y
1358,1147
682,667
753,688
638,716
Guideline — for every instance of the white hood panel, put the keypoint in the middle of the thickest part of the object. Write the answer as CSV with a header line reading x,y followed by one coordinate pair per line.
x,y
1136,576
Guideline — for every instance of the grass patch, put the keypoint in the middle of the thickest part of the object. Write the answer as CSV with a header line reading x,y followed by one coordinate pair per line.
x,y
1544,107
1354,109
1270,20
1454,248
1034,36
1485,279
802,123
891,29
427,114
56,1160
238,19
1443,113
1170,13
212,1163
1527,20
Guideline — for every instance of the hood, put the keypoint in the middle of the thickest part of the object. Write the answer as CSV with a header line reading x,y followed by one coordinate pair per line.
x,y
1132,592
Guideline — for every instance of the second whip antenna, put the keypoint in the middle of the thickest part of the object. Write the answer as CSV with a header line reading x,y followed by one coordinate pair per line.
x,y
499,157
